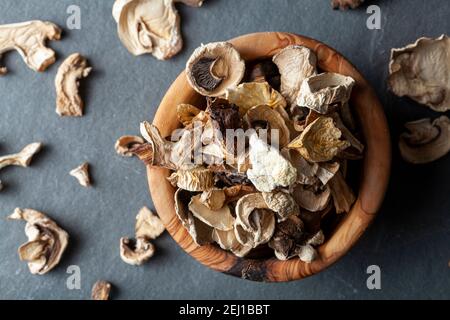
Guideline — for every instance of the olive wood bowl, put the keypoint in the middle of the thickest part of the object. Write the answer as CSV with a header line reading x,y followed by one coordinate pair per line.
x,y
373,178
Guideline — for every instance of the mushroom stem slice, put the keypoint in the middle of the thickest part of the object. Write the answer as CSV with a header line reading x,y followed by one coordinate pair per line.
x,y
101,290
29,38
138,253
46,241
23,158
425,141
81,173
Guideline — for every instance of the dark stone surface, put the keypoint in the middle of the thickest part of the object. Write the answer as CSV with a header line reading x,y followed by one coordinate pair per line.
x,y
409,240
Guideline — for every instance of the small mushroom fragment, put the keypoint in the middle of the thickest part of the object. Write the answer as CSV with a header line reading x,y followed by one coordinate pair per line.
x,y
125,144
306,253
425,141
345,4
29,38
186,113
269,169
46,241
282,203
319,92
295,63
101,290
198,179
312,198
320,141
220,219
81,173
213,199
21,159
421,72
148,225
136,253
343,196
68,100
215,67
252,94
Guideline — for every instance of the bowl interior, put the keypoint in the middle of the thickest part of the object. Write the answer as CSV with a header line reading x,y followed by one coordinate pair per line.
x,y
373,179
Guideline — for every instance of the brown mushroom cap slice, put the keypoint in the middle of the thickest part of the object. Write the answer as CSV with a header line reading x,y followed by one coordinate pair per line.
x,y
215,67
425,141
421,72
81,173
282,203
46,241
218,219
295,64
310,199
138,253
319,92
148,225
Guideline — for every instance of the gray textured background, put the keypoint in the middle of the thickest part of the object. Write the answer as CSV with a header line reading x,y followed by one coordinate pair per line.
x,y
409,240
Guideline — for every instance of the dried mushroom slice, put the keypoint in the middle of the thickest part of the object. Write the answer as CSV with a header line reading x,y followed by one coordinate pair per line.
x,y
21,159
148,225
186,113
220,219
356,149
425,141
321,91
345,4
101,290
46,241
421,71
225,115
136,252
29,38
288,234
273,121
68,100
252,94
213,199
198,179
81,173
295,63
200,232
227,240
320,141
312,198
326,171
343,196
215,67
282,203
306,171
306,253
125,144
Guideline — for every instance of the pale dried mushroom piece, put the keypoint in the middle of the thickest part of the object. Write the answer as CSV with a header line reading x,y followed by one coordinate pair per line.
x,y
136,253
186,113
213,199
317,239
46,241
220,219
101,290
306,171
29,38
356,147
21,159
125,144
215,67
148,225
269,168
320,141
306,253
198,179
426,140
295,63
81,173
321,91
312,198
421,71
282,203
227,241
343,196
251,94
68,100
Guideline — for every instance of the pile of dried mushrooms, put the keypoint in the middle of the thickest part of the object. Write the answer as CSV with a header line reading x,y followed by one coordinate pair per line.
x,y
284,168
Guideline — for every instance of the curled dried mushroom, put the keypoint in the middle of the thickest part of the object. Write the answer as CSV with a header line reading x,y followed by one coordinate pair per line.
x,y
46,241
125,144
68,100
21,159
29,38
81,173
421,72
136,252
148,225
101,290
426,140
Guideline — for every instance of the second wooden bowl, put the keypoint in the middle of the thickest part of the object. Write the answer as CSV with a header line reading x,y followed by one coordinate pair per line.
x,y
372,187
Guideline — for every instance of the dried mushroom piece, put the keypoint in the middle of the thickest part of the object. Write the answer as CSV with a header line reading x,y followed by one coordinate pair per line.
x,y
421,72
136,253
198,179
269,168
282,203
200,232
29,38
101,290
343,196
295,63
356,148
312,198
148,225
425,141
263,71
306,253
186,113
321,91
227,241
252,94
215,67
213,199
345,4
81,173
326,171
220,219
46,241
21,159
306,171
320,141
125,144
68,100
288,234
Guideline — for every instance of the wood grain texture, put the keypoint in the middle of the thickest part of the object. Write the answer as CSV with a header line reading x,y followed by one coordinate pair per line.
x,y
373,184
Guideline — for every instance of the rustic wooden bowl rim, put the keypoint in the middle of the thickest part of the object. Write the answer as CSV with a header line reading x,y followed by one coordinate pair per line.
x,y
374,177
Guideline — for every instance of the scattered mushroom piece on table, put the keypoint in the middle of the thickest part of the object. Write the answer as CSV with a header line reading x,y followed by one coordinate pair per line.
x,y
101,290
81,173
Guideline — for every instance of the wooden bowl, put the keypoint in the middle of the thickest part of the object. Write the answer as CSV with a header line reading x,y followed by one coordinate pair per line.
x,y
373,182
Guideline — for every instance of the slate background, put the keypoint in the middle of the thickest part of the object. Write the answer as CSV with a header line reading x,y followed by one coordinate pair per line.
x,y
409,240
